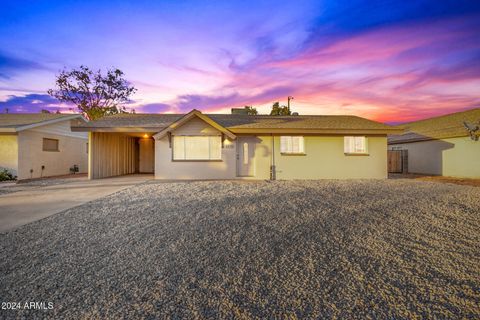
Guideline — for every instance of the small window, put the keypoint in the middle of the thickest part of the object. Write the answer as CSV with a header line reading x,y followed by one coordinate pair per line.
x,y
87,147
197,148
355,145
292,145
50,144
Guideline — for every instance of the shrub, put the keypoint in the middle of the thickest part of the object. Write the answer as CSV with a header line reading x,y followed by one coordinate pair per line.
x,y
5,175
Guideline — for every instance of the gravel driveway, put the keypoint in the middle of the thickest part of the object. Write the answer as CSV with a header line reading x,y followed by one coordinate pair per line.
x,y
347,249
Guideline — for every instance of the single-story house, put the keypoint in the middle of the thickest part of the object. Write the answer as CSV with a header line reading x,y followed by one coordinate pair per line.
x,y
42,144
441,145
237,146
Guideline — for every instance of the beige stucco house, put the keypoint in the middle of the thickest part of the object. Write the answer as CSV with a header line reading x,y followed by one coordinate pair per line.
x,y
441,145
41,144
233,146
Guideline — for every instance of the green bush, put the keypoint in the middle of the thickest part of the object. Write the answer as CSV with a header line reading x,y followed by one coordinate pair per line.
x,y
5,175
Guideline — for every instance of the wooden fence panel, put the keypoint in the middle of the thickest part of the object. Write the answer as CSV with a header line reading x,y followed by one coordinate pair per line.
x,y
395,163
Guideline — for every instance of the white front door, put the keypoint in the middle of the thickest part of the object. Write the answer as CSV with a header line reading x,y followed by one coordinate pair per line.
x,y
245,156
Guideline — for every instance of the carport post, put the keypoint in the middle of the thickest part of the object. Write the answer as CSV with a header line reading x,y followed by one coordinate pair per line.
x,y
90,155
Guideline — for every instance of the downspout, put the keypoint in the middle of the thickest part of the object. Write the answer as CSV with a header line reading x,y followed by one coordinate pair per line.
x,y
273,174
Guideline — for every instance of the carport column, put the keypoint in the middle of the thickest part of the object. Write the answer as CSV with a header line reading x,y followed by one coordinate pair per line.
x,y
90,155
273,173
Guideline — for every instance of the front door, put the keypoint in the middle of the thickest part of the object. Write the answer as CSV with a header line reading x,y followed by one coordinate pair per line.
x,y
245,156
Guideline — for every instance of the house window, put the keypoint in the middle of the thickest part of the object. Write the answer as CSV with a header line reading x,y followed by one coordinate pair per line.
x,y
50,144
197,147
355,145
292,145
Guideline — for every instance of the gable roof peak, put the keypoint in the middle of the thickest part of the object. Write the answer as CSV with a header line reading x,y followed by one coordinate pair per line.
x,y
194,113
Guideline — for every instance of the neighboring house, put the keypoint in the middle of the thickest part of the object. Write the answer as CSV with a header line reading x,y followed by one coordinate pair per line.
x,y
230,146
42,144
441,145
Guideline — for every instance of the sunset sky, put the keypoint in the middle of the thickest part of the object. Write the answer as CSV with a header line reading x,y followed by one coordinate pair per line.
x,y
389,61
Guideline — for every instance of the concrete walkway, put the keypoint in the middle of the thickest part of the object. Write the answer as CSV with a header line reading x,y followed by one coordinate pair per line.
x,y
22,207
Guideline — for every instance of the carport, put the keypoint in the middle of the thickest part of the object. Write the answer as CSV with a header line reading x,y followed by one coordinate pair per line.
x,y
122,144
119,153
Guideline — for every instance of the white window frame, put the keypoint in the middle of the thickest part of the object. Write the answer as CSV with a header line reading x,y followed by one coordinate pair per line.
x,y
355,145
213,155
288,145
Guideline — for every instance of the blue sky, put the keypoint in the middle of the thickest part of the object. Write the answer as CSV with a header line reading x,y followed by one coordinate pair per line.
x,y
385,60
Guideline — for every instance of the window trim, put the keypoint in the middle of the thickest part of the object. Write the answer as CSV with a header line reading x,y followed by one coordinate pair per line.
x,y
362,153
50,150
293,153
196,160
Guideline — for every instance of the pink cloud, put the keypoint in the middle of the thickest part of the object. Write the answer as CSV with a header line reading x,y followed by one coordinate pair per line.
x,y
391,74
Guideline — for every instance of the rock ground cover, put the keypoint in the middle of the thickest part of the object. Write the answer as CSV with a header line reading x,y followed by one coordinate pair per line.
x,y
286,249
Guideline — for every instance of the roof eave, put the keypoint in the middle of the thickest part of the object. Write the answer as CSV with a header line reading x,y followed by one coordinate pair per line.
x,y
52,121
116,129
194,113
423,139
8,130
313,131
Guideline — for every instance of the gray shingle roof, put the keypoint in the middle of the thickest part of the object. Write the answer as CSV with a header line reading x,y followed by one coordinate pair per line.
x,y
442,127
16,120
235,121
126,120
296,122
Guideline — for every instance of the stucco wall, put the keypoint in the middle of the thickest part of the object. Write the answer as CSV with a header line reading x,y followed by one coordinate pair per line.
x,y
9,153
454,157
62,128
166,168
463,160
262,156
424,157
72,150
325,159
196,126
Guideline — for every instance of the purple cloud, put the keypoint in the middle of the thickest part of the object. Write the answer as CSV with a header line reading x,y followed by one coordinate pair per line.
x,y
33,103
212,103
154,108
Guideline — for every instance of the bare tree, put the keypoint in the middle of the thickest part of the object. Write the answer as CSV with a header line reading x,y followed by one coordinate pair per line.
x,y
95,95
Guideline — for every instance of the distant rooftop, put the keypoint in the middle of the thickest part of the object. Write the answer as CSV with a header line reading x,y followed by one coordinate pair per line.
x,y
13,121
442,127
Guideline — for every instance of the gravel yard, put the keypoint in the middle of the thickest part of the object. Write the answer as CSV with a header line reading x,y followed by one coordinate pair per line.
x,y
347,249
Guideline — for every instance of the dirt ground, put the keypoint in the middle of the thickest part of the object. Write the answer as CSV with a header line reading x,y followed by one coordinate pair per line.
x,y
440,179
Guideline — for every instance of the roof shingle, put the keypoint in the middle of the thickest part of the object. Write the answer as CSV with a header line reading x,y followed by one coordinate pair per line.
x,y
442,127
236,122
13,121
